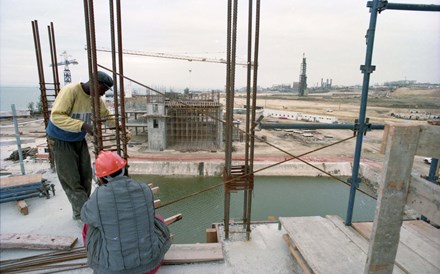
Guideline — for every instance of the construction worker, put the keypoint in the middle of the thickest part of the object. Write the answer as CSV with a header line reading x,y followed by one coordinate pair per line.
x,y
123,234
70,121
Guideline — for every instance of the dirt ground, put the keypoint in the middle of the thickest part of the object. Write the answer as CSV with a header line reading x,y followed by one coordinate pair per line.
x,y
341,104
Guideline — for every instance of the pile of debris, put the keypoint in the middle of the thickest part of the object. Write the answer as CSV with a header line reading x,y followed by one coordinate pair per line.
x,y
27,151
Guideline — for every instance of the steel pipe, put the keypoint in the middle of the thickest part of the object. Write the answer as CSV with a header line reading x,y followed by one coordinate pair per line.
x,y
316,126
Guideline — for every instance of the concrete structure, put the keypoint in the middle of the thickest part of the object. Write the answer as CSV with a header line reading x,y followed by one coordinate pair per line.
x,y
187,122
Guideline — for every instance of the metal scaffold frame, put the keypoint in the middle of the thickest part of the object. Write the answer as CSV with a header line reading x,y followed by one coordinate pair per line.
x,y
376,7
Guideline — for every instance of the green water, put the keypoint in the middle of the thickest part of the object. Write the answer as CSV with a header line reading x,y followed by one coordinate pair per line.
x,y
278,196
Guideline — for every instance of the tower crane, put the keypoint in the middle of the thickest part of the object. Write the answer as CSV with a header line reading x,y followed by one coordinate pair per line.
x,y
66,63
170,56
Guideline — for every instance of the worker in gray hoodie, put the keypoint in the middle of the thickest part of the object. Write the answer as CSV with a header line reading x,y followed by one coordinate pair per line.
x,y
123,235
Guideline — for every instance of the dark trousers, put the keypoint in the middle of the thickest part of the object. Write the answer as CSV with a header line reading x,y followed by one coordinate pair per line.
x,y
72,162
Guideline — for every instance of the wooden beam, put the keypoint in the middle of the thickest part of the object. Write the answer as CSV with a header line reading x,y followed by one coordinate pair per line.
x,y
20,180
423,196
194,253
173,219
156,203
401,146
22,207
429,141
211,235
297,256
155,190
428,144
34,241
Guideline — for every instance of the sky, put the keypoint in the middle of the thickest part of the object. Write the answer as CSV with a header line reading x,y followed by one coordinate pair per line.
x,y
331,34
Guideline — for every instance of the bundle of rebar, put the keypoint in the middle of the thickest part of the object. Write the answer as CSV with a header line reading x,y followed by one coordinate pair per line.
x,y
53,262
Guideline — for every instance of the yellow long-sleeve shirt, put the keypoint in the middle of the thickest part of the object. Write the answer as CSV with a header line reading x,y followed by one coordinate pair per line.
x,y
72,108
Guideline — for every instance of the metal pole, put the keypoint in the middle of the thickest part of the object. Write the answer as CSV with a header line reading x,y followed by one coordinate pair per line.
x,y
398,6
432,170
316,126
367,69
17,137
432,178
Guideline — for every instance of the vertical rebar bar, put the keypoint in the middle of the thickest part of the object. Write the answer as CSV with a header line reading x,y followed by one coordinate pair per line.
x,y
53,50
248,110
43,91
93,69
228,123
115,80
121,77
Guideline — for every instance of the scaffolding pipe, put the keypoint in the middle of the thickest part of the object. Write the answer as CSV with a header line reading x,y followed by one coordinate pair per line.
x,y
432,171
399,6
17,138
317,126
366,69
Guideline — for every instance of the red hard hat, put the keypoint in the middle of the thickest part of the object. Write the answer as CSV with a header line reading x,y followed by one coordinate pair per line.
x,y
108,163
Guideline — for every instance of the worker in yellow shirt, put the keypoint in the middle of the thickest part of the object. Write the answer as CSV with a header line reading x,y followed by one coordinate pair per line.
x,y
70,121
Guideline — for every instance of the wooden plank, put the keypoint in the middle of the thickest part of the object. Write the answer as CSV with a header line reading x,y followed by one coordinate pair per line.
x,y
399,155
20,180
304,267
35,241
156,203
211,235
407,258
423,196
423,229
155,190
194,253
323,245
173,219
428,250
358,239
428,145
22,207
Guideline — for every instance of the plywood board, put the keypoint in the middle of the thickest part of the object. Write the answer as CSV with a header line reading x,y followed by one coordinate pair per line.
x,y
423,229
34,241
358,239
423,196
428,145
406,258
20,180
194,253
323,245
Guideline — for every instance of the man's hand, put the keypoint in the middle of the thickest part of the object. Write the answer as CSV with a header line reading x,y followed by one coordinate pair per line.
x,y
128,135
87,128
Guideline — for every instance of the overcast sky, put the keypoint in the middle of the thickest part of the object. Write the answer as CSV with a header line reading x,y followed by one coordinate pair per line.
x,y
330,33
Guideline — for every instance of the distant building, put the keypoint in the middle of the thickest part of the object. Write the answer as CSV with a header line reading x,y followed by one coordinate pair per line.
x,y
187,122
303,78
299,116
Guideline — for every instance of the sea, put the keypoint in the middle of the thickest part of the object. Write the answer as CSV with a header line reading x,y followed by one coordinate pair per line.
x,y
20,96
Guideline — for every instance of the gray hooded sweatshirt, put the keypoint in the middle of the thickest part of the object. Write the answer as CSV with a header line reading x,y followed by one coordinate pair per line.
x,y
123,235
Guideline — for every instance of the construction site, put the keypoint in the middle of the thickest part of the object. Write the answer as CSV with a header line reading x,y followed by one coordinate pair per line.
x,y
230,135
